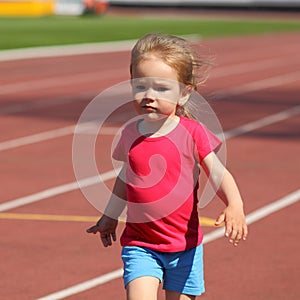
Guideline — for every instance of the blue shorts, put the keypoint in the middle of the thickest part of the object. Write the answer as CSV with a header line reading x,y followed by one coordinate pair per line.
x,y
180,271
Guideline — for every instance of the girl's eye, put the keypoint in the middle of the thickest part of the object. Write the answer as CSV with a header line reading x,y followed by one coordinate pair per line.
x,y
140,87
161,89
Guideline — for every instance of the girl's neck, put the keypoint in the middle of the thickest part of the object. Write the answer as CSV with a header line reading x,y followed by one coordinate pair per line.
x,y
158,128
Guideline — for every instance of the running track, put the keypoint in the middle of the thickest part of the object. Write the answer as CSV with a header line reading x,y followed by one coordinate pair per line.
x,y
254,89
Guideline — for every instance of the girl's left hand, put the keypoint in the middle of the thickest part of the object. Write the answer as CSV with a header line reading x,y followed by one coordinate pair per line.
x,y
235,224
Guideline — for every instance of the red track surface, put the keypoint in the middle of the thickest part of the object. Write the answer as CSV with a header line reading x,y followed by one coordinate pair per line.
x,y
42,257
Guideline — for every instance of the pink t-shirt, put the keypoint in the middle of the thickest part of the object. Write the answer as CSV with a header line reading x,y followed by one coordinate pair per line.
x,y
162,181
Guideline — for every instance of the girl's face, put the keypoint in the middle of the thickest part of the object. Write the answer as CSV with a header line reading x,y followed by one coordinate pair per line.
x,y
156,89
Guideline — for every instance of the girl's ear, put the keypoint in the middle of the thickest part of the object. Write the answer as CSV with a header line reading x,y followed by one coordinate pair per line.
x,y
185,94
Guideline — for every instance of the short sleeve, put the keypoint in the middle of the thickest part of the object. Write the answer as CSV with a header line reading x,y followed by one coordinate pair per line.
x,y
128,135
119,150
206,142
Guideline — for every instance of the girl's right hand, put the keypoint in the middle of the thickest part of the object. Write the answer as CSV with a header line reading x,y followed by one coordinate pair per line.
x,y
106,226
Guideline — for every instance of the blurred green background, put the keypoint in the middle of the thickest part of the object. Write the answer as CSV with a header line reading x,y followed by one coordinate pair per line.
x,y
63,30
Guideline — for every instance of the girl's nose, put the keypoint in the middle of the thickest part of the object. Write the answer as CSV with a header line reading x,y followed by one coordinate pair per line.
x,y
149,94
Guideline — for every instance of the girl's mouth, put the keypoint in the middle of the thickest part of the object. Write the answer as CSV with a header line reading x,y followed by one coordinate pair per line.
x,y
149,108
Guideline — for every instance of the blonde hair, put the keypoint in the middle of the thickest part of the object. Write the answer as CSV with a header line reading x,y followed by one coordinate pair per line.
x,y
176,52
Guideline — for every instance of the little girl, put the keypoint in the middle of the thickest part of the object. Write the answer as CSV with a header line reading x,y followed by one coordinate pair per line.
x,y
163,152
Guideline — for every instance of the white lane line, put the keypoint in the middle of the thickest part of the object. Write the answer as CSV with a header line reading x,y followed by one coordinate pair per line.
x,y
38,84
48,135
253,217
55,82
257,85
232,69
67,50
81,287
111,174
45,103
68,130
259,214
263,122
249,87
251,66
36,138
273,207
57,190
75,49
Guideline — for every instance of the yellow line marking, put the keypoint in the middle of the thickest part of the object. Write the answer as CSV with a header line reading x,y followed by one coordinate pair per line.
x,y
207,221
42,217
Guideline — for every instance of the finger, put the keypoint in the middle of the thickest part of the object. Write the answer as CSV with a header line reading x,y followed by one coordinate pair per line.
x,y
220,219
236,243
114,236
241,234
245,232
92,229
238,238
106,239
233,235
228,229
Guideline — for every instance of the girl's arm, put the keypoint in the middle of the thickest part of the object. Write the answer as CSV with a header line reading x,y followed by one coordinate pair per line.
x,y
226,188
107,224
